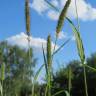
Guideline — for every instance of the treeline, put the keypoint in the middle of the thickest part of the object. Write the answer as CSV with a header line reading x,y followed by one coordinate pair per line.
x,y
60,80
19,72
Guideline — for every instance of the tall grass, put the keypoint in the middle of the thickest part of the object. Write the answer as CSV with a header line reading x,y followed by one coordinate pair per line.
x,y
49,64
84,70
48,56
27,18
48,67
2,78
77,36
62,17
69,80
80,51
27,15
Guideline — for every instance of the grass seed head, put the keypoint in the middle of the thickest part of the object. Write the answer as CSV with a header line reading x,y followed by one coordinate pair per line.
x,y
80,47
62,17
27,14
2,71
49,50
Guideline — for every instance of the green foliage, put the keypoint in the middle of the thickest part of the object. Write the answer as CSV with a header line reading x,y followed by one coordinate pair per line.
x,y
35,78
19,71
60,80
78,41
16,66
2,72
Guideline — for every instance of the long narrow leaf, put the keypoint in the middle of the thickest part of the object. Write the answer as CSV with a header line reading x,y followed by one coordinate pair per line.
x,y
80,52
67,94
1,92
38,72
62,91
45,61
93,69
66,42
78,41
59,92
35,78
51,5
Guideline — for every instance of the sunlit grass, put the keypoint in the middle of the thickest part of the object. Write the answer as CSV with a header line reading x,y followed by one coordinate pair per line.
x,y
48,55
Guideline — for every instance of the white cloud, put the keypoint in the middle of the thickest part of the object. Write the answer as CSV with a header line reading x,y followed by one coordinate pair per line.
x,y
39,5
55,3
85,10
73,38
53,15
62,35
35,43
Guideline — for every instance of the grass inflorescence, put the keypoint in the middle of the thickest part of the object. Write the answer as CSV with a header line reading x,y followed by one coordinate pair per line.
x,y
27,14
62,17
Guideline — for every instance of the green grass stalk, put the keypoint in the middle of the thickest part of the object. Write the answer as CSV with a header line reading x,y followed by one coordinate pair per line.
x,y
49,63
69,80
2,77
85,81
84,70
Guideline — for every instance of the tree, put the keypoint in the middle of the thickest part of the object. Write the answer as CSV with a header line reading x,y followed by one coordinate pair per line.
x,y
60,80
18,69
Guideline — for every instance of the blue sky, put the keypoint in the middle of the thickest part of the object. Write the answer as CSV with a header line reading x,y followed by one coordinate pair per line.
x,y
43,22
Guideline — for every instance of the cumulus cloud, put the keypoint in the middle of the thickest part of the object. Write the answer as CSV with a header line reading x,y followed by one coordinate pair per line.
x,y
22,41
85,10
53,14
62,35
39,5
73,38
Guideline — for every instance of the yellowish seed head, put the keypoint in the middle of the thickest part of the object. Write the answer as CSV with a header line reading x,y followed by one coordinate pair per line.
x,y
62,17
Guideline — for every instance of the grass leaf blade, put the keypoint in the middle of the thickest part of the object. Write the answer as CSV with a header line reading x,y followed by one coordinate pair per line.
x,y
78,41
66,42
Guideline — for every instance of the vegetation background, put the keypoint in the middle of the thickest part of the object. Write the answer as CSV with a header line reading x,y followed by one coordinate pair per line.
x,y
19,76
